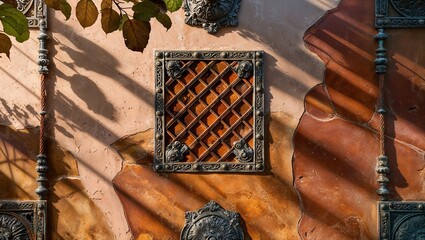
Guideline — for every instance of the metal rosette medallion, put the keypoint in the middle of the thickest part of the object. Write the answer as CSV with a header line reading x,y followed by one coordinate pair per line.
x,y
212,14
212,222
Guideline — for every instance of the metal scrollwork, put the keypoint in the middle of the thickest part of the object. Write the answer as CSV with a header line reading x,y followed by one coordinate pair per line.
x,y
243,152
212,222
212,14
244,69
173,69
176,151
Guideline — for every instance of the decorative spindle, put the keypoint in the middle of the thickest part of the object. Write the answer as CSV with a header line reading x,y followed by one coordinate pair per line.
x,y
43,62
381,68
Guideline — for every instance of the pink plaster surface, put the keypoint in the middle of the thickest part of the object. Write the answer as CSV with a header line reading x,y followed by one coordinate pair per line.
x,y
101,92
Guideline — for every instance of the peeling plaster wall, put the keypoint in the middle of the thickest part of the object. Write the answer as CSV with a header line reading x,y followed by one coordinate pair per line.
x,y
101,105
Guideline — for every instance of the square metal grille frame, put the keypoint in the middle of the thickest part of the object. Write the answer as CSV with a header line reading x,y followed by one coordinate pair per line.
x,y
399,14
23,219
401,220
181,61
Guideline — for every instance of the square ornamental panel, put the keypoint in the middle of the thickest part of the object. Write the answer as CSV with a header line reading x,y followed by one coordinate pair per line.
x,y
399,13
401,220
209,111
24,220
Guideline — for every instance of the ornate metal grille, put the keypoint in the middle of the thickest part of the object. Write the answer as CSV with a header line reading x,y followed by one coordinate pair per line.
x,y
24,220
400,13
401,220
209,111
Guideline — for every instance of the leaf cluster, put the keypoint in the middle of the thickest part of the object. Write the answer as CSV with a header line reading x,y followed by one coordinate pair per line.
x,y
132,17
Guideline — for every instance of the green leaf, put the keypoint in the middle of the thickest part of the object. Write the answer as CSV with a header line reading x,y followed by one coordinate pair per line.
x,y
123,19
110,20
145,10
65,8
5,44
164,19
173,5
86,12
136,34
14,22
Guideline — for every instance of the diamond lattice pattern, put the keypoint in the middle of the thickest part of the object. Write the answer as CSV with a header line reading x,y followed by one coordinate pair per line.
x,y
208,109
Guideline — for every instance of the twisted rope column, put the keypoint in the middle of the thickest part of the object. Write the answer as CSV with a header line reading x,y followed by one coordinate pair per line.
x,y
382,160
43,62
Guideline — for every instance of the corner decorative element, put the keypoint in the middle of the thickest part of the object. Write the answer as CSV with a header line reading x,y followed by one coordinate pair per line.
x,y
173,69
401,220
212,222
242,151
176,151
24,220
212,14
244,69
400,14
34,10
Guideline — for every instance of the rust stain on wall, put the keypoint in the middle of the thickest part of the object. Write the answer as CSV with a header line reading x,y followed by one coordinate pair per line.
x,y
155,204
336,142
72,213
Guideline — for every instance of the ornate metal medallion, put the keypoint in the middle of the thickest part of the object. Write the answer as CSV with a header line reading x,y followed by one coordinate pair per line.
x,y
209,111
24,220
212,14
212,222
401,220
400,13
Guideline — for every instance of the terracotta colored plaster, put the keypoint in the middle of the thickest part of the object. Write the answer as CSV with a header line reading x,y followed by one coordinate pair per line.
x,y
334,160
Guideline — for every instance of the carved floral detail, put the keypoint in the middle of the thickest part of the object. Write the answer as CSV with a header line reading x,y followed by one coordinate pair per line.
x,y
176,151
173,69
242,151
244,69
212,14
212,222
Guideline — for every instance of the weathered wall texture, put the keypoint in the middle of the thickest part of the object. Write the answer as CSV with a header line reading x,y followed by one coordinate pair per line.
x,y
336,142
101,120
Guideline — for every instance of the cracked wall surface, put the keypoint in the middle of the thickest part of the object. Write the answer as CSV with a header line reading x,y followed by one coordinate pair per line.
x,y
101,115
337,140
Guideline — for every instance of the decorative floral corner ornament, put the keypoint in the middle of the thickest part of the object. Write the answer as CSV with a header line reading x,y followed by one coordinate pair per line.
x,y
176,151
212,14
212,222
242,151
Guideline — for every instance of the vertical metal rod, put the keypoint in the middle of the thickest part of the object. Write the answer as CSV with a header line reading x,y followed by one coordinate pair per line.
x,y
43,62
382,160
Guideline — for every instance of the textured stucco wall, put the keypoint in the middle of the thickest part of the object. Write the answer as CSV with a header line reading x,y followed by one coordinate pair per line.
x,y
102,96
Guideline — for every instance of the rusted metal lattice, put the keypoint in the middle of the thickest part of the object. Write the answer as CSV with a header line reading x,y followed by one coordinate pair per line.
x,y
209,112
